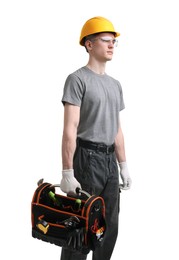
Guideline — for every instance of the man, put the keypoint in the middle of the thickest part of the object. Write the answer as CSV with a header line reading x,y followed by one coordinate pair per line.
x,y
93,143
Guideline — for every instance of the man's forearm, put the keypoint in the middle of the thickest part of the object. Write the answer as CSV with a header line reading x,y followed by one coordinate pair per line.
x,y
69,183
68,150
120,147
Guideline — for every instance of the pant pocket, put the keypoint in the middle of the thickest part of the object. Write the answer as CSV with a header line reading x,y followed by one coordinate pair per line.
x,y
82,167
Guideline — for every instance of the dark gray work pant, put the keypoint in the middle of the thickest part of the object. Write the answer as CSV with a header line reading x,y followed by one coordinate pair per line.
x,y
97,173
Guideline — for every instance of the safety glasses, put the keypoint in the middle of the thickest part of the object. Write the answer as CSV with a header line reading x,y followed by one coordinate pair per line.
x,y
107,40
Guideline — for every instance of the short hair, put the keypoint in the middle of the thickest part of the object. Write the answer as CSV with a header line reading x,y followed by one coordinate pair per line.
x,y
89,38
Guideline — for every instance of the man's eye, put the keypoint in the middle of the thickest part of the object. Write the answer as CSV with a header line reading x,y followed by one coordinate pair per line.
x,y
105,40
109,40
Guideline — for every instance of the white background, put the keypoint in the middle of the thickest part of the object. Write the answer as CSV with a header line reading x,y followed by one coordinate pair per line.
x,y
38,49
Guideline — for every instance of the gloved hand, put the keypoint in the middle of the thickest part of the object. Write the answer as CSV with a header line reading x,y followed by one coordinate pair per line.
x,y
68,182
124,173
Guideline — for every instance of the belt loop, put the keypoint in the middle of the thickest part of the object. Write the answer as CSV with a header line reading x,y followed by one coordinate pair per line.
x,y
97,149
107,150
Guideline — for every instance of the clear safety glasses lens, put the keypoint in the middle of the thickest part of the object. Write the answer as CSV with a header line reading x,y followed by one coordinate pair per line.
x,y
109,40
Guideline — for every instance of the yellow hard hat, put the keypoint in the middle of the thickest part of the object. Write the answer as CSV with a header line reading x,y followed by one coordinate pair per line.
x,y
94,25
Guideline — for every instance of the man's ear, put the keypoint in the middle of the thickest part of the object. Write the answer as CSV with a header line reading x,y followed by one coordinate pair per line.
x,y
88,45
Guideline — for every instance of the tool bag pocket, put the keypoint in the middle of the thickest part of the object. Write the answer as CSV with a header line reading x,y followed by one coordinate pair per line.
x,y
73,223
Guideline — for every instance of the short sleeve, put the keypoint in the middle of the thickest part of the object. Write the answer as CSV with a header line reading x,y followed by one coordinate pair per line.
x,y
73,90
122,105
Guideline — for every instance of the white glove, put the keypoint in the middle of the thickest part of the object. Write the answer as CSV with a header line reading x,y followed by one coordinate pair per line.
x,y
124,173
68,182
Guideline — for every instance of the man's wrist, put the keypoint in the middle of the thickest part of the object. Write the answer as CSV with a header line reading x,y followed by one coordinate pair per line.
x,y
122,165
68,172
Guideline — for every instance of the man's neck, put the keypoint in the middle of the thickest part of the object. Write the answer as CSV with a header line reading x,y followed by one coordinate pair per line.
x,y
97,67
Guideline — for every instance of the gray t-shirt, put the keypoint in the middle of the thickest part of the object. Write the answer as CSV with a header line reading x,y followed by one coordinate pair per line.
x,y
100,99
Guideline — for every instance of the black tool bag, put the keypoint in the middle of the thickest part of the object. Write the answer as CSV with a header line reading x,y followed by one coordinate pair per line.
x,y
73,223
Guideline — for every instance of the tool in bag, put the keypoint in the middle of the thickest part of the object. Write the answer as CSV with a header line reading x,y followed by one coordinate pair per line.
x,y
70,222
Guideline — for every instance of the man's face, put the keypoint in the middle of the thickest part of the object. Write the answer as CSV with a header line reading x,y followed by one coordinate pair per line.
x,y
102,47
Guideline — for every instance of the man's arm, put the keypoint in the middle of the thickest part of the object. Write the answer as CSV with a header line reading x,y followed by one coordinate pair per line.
x,y
121,158
71,121
119,146
68,182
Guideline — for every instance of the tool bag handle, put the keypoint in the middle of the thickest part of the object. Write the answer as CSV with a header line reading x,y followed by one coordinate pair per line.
x,y
78,190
